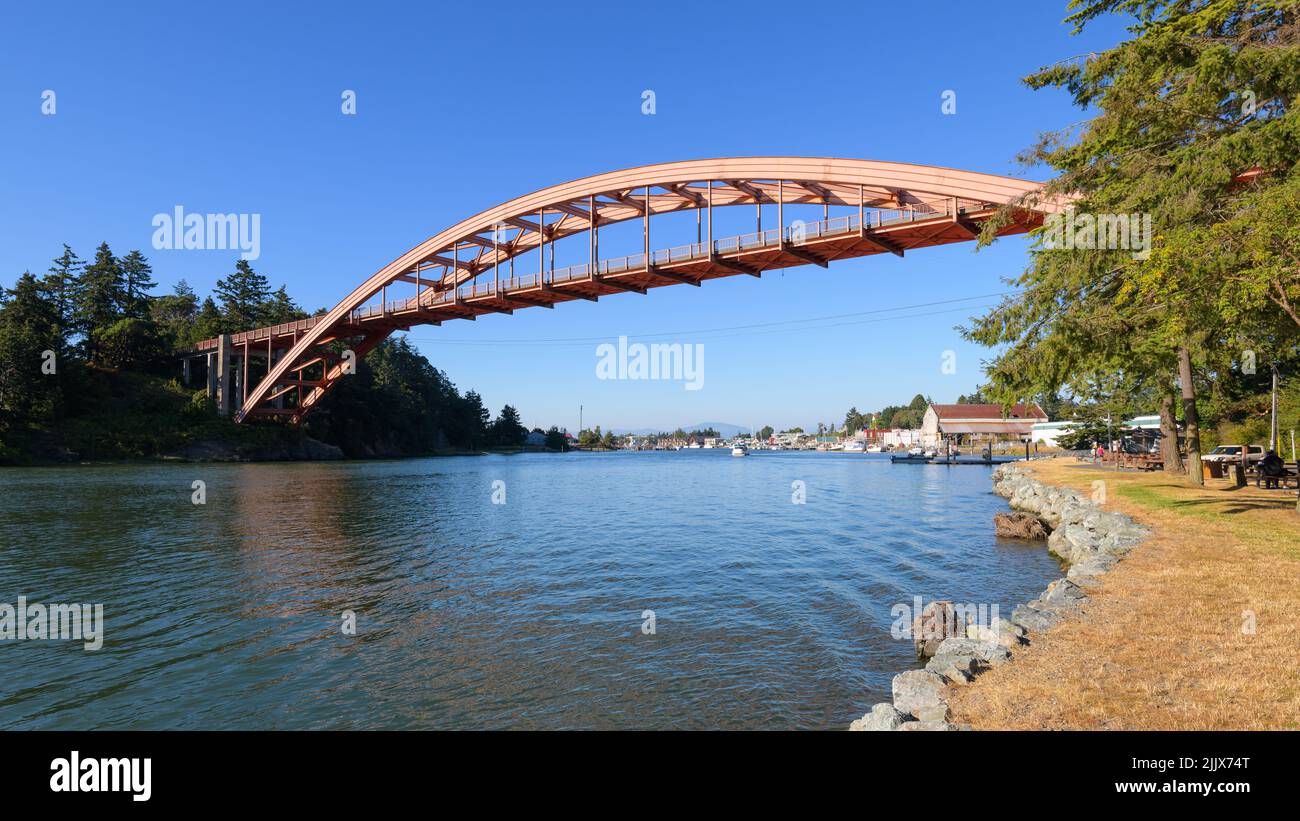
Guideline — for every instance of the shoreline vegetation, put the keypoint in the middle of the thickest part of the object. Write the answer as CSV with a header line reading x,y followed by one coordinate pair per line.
x,y
88,374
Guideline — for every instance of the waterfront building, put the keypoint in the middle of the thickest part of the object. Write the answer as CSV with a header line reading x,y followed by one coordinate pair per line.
x,y
901,438
979,424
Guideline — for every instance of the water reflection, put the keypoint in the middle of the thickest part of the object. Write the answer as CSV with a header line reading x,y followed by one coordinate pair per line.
x,y
470,614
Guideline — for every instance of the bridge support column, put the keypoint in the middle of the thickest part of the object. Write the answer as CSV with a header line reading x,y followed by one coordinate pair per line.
x,y
271,359
222,376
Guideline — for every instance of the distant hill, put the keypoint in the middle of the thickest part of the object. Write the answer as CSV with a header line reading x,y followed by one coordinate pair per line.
x,y
725,429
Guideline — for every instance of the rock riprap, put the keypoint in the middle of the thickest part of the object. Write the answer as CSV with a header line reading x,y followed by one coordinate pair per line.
x,y
1090,540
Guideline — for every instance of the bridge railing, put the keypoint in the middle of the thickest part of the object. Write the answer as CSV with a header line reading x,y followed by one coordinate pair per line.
x,y
794,234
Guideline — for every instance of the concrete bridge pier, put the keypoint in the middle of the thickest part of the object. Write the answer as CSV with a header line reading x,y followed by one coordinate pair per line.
x,y
220,378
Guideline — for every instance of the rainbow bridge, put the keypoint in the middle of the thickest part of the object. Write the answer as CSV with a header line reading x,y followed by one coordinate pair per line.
x,y
469,269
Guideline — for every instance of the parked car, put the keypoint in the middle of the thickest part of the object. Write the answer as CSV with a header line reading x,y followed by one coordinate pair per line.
x,y
1232,453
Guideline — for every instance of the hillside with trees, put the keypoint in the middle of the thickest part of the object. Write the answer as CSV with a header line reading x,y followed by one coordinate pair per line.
x,y
88,371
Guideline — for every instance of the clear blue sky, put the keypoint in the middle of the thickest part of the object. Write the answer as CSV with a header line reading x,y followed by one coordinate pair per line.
x,y
235,107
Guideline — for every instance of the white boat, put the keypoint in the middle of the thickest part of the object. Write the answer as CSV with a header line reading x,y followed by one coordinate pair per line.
x,y
855,446
874,449
916,451
739,450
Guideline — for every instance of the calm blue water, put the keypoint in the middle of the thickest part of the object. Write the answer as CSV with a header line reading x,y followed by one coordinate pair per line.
x,y
470,614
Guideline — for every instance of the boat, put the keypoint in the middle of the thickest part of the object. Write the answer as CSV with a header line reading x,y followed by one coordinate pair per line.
x,y
910,458
917,450
874,449
739,450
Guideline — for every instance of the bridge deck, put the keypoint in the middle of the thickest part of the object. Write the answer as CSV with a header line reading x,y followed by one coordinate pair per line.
x,y
815,243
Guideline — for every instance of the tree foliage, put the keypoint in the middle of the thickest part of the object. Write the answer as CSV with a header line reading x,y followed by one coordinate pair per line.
x,y
1193,125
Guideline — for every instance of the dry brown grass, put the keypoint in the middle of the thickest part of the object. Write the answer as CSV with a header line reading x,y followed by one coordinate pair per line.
x,y
1161,645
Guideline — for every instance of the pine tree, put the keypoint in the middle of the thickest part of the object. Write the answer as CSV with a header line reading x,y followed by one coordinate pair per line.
x,y
101,295
1194,122
209,322
280,308
29,395
243,296
137,282
507,431
60,287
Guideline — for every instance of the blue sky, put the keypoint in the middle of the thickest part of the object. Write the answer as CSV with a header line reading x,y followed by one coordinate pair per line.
x,y
236,108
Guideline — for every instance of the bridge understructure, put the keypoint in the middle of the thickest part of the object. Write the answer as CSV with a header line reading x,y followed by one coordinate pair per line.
x,y
469,269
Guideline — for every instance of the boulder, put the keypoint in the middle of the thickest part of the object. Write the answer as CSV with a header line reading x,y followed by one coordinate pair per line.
x,y
920,693
933,726
999,631
1074,542
1033,619
937,621
1062,594
882,717
958,669
1088,572
1019,526
986,652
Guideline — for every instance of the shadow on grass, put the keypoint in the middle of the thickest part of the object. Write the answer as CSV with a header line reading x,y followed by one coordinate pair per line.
x,y
1147,495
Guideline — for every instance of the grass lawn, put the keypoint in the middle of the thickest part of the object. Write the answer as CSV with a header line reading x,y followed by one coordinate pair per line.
x,y
1199,628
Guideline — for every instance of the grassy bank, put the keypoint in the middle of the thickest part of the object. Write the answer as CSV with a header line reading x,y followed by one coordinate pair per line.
x,y
1167,642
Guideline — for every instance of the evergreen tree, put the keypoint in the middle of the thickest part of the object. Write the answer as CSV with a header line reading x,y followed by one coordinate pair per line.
x,y
29,395
556,440
208,323
60,287
507,430
244,295
137,282
279,307
175,314
1195,125
101,295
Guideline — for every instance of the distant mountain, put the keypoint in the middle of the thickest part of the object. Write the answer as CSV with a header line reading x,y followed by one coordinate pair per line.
x,y
725,429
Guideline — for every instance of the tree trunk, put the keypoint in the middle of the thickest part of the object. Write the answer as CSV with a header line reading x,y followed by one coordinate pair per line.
x,y
1190,419
1169,436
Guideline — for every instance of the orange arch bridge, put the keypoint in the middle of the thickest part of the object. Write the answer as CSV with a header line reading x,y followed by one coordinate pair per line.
x,y
470,268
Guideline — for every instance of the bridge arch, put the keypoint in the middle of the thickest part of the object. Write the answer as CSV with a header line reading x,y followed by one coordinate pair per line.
x,y
457,273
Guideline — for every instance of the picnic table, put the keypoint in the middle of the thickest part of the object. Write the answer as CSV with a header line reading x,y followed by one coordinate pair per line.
x,y
1140,461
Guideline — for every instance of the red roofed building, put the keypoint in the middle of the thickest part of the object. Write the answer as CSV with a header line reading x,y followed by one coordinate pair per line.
x,y
969,423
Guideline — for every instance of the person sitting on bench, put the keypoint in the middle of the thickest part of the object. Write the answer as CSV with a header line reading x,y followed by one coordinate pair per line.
x,y
1272,468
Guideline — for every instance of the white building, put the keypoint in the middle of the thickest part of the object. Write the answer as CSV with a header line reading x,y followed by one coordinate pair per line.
x,y
900,437
972,423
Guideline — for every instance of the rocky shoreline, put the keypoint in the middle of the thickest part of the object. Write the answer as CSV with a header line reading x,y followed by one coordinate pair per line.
x,y
1088,539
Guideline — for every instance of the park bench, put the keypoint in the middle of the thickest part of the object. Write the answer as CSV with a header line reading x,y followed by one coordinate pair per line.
x,y
1287,480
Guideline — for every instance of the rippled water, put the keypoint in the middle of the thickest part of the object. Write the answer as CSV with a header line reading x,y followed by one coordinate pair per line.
x,y
470,614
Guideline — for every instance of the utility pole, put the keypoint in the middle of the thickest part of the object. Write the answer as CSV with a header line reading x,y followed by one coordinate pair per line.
x,y
1272,429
